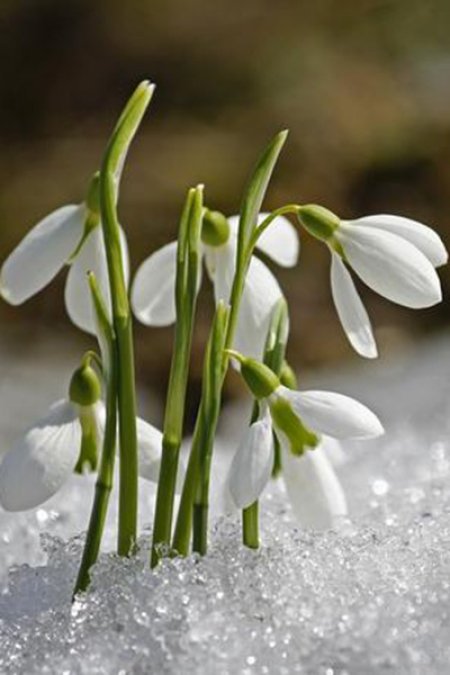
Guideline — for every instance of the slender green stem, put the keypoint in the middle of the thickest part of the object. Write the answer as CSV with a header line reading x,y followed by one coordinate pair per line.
x,y
109,188
283,210
250,526
274,352
183,527
102,488
186,297
108,367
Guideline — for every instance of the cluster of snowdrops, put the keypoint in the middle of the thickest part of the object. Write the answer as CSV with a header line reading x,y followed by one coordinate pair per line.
x,y
289,432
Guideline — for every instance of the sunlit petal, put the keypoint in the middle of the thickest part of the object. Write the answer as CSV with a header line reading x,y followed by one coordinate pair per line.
x,y
42,253
153,290
315,493
421,236
251,466
280,241
42,460
333,414
351,311
91,258
390,265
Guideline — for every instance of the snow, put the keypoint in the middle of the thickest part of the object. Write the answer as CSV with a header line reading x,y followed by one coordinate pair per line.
x,y
371,597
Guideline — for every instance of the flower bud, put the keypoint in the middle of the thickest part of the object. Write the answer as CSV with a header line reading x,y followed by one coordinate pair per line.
x,y
85,388
318,221
287,421
261,381
215,228
287,376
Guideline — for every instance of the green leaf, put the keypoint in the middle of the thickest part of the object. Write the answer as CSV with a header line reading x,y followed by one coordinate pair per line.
x,y
256,190
126,128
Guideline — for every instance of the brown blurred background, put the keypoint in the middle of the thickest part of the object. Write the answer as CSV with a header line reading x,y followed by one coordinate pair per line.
x,y
363,86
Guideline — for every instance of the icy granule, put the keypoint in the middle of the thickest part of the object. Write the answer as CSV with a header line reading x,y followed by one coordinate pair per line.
x,y
372,597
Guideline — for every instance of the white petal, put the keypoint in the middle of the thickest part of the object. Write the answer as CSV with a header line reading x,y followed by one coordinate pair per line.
x,y
314,491
279,241
252,464
150,446
153,290
261,293
42,253
42,460
418,234
333,414
91,258
390,265
333,450
351,311
221,263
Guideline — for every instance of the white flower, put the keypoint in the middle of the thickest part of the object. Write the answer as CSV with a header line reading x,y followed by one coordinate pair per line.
x,y
49,246
45,457
153,291
394,256
313,487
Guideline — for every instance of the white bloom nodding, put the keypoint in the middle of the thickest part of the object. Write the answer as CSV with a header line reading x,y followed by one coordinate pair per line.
x,y
41,461
42,253
152,294
312,485
45,457
45,250
396,257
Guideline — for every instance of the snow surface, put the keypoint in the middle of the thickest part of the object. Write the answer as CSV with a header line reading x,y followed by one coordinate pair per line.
x,y
372,597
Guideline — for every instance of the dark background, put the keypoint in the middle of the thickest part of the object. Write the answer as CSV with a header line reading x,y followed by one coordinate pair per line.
x,y
362,85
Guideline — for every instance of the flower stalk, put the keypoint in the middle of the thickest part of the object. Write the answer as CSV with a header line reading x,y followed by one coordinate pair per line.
x,y
274,354
187,281
104,481
109,188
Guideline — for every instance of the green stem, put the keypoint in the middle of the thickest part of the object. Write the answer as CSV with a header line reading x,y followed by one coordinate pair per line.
x,y
183,527
103,486
250,526
186,296
109,188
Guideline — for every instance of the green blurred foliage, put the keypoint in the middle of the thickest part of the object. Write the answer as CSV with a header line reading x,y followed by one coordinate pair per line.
x,y
362,85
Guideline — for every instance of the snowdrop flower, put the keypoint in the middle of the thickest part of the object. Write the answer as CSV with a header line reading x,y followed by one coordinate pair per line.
x,y
71,235
395,256
153,291
312,485
63,441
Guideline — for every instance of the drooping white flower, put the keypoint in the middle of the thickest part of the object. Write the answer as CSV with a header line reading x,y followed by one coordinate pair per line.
x,y
61,238
296,417
45,457
153,291
395,256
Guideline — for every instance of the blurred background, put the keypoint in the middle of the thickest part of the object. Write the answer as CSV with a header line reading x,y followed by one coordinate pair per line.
x,y
363,86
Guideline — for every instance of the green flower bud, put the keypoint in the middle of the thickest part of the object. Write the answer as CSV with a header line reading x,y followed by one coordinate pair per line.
x,y
93,194
261,381
318,221
287,421
215,228
287,376
85,388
